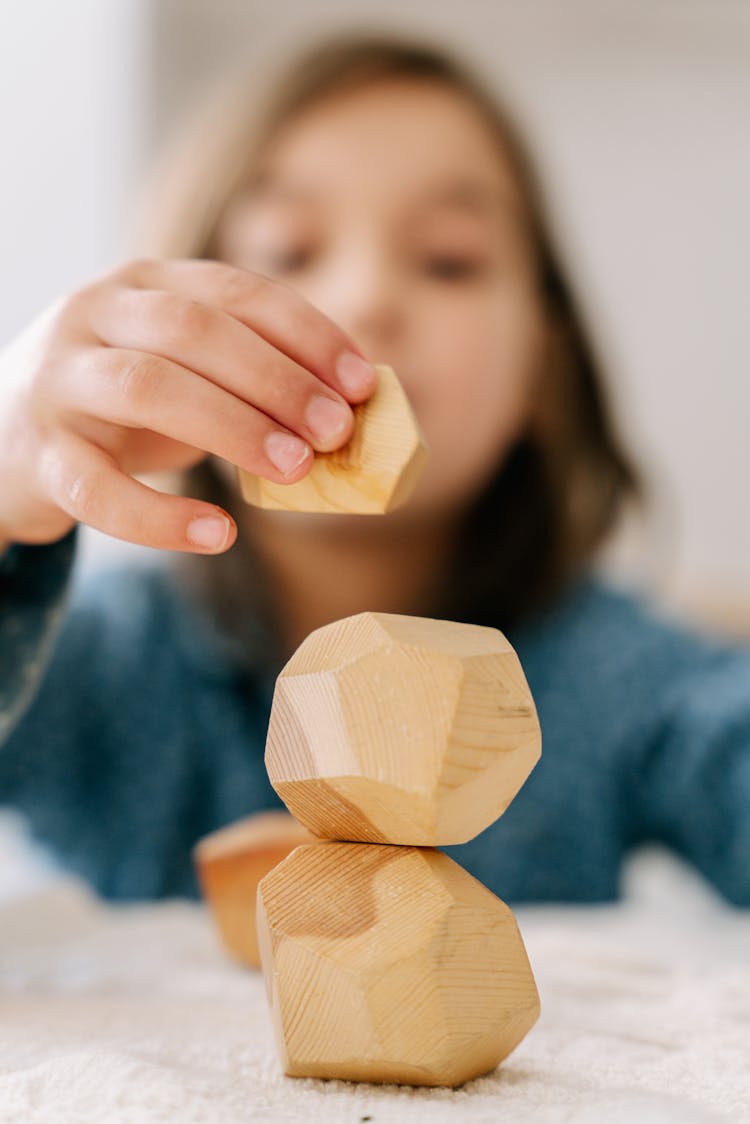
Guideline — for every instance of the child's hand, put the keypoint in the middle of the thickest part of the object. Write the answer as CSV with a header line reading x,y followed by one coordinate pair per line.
x,y
151,368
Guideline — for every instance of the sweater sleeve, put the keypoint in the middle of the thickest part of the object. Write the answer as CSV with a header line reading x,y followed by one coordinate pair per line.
x,y
34,582
693,783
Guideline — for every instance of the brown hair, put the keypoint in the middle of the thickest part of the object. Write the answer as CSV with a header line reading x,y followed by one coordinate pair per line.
x,y
560,490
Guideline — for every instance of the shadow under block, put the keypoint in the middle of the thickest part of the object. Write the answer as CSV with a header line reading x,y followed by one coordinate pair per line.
x,y
373,473
396,729
231,862
390,964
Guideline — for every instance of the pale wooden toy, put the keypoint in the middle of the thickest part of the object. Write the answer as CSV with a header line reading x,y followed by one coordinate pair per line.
x,y
373,473
396,729
231,862
390,964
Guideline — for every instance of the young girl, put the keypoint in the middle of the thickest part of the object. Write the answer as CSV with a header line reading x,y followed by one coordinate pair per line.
x,y
376,207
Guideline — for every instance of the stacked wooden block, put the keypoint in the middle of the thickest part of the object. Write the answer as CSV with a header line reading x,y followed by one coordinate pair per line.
x,y
384,960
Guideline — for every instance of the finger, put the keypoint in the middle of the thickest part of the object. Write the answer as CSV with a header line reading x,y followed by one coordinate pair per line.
x,y
83,481
143,391
276,312
146,451
215,345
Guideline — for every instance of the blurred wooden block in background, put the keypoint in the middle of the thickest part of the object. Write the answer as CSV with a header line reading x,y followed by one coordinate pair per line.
x,y
390,964
397,729
231,862
373,473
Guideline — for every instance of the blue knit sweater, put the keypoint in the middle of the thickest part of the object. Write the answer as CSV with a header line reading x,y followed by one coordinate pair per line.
x,y
127,731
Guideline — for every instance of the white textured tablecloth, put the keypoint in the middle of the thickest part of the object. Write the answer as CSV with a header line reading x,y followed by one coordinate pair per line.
x,y
134,1014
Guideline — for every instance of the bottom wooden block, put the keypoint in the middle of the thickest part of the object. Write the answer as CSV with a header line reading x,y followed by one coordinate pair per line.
x,y
390,964
231,862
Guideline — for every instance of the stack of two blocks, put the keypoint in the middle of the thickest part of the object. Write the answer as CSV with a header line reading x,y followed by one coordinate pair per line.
x,y
384,960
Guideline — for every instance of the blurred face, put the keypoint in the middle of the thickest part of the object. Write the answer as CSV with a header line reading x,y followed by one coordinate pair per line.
x,y
393,210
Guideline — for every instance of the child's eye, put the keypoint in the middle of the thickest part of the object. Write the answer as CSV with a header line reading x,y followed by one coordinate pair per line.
x,y
289,261
452,268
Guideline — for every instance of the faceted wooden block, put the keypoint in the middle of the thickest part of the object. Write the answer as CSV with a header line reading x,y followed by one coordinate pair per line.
x,y
373,473
231,862
396,729
390,964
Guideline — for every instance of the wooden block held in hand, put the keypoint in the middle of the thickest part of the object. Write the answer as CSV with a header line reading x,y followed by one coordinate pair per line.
x,y
373,473
231,862
390,964
397,729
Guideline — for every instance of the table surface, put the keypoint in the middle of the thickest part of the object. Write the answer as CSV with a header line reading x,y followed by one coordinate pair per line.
x,y
134,1014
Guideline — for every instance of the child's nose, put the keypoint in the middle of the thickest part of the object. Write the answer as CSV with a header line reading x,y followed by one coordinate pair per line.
x,y
368,302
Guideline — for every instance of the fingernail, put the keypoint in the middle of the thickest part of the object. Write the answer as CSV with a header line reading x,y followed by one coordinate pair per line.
x,y
355,374
285,451
327,418
210,531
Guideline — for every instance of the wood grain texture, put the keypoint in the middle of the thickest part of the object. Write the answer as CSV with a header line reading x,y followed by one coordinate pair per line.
x,y
397,729
231,862
390,964
373,473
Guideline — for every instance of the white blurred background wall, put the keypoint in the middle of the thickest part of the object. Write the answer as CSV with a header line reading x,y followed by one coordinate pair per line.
x,y
639,113
74,92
